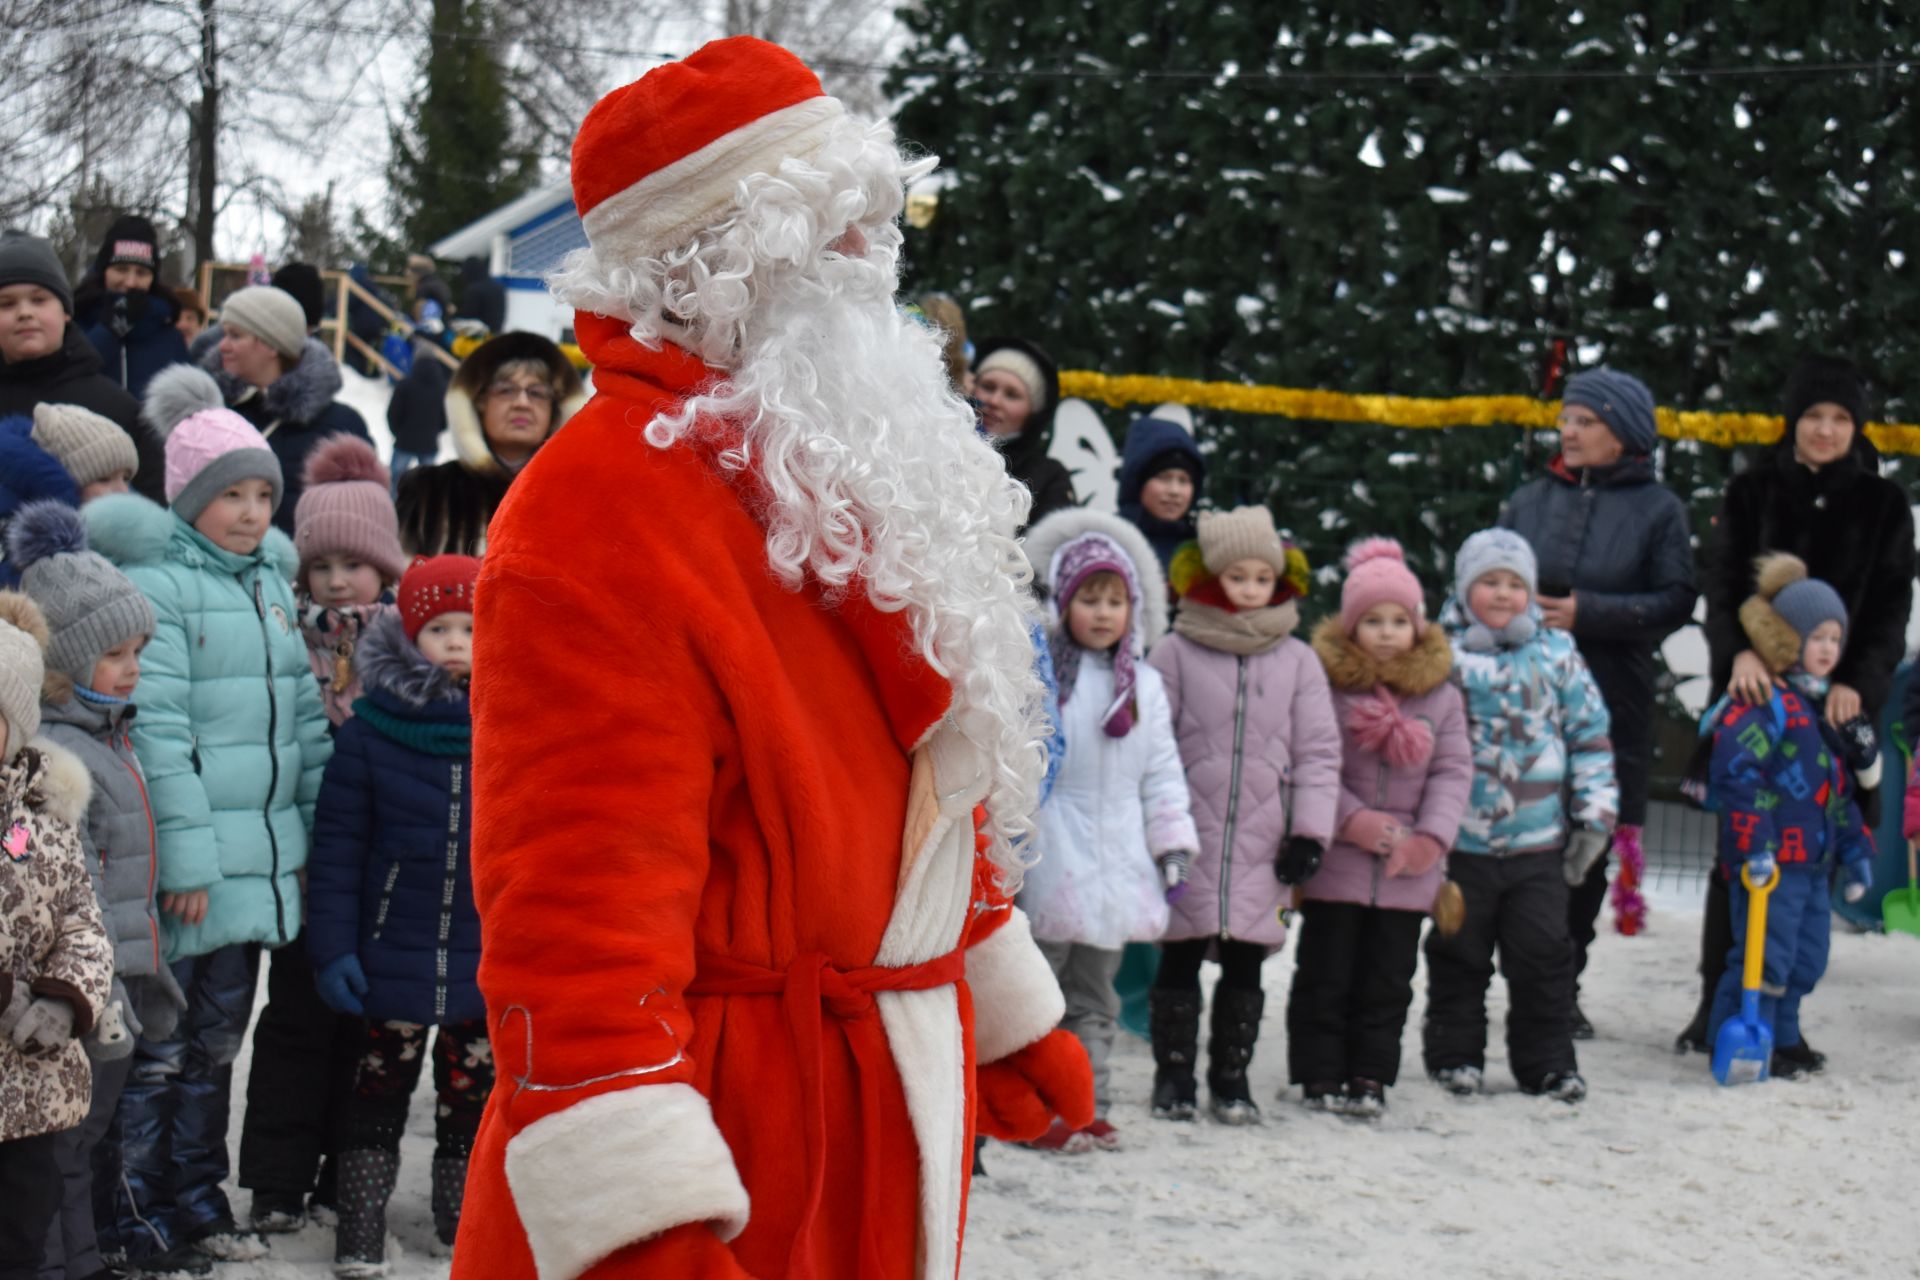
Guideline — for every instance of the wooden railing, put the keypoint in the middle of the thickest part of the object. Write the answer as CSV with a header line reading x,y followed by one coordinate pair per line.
x,y
333,330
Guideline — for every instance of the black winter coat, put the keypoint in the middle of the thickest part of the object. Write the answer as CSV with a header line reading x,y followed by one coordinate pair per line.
x,y
390,878
295,414
1852,526
1046,477
1617,539
72,375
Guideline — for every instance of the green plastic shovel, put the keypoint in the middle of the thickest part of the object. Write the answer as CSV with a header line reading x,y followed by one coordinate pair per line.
x,y
1900,909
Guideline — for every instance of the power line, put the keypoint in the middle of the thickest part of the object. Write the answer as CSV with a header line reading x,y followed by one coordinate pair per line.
x,y
1901,65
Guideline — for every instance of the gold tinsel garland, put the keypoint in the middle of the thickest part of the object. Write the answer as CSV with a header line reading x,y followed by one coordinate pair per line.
x,y
1723,429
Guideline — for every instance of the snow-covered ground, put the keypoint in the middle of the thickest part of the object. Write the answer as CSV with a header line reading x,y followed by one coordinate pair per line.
x,y
1659,1172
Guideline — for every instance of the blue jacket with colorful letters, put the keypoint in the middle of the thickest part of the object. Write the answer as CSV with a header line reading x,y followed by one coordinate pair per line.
x,y
1782,790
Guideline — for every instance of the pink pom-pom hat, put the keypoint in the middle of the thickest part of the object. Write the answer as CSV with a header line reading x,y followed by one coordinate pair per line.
x,y
1377,573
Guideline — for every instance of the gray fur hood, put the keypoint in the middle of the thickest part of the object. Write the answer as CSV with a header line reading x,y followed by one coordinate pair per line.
x,y
390,664
300,395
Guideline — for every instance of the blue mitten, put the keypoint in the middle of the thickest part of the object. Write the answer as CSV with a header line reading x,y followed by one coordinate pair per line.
x,y
342,983
1761,868
1858,875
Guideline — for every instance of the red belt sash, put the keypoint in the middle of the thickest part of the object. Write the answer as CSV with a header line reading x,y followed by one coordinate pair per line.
x,y
811,989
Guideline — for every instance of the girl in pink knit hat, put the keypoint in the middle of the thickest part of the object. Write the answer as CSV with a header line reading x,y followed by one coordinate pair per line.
x,y
232,739
1406,770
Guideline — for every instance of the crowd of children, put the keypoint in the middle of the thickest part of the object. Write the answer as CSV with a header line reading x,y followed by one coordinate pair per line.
x,y
221,740
1221,779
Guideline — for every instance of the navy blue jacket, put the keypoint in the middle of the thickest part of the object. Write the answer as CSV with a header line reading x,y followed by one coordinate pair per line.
x,y
27,473
145,347
1147,439
1618,539
390,878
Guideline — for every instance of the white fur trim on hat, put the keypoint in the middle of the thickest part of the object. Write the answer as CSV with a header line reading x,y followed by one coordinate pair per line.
x,y
619,1168
670,206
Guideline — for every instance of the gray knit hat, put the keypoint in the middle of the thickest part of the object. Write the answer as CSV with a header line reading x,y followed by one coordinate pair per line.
x,y
27,259
1808,603
272,315
1492,549
1244,533
90,447
23,642
90,606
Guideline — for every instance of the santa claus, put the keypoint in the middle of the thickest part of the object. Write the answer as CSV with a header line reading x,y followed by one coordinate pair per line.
x,y
755,732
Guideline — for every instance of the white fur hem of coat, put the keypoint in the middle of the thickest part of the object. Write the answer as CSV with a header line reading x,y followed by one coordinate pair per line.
x,y
923,1027
1016,999
618,1168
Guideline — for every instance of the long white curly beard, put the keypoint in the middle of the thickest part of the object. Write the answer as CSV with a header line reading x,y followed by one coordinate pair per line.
x,y
876,476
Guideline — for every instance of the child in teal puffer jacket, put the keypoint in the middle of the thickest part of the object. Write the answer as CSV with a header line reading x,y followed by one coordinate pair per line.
x,y
233,739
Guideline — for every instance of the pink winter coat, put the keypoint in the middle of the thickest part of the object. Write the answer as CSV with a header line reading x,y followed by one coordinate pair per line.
x,y
332,637
1428,797
1263,762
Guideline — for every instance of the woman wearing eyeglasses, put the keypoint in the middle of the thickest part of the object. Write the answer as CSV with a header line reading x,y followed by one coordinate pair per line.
x,y
507,399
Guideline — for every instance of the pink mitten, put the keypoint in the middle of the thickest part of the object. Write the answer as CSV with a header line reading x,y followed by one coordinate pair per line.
x,y
1374,831
1414,855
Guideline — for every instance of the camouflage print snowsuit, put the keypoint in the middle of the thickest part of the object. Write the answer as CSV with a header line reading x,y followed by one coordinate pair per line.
x,y
1538,727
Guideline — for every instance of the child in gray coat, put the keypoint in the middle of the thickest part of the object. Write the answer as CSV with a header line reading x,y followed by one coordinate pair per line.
x,y
98,623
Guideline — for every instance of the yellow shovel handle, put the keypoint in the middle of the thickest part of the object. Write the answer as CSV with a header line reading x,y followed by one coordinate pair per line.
x,y
1757,895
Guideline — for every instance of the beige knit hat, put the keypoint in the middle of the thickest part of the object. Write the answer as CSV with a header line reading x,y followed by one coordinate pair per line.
x,y
23,647
1244,533
272,315
90,447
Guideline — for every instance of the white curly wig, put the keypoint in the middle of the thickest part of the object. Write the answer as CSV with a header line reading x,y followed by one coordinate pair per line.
x,y
876,475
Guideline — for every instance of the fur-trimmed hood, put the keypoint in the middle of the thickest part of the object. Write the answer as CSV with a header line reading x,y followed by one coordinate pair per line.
x,y
300,395
1419,670
128,529
1773,638
391,664
476,372
51,778
1045,539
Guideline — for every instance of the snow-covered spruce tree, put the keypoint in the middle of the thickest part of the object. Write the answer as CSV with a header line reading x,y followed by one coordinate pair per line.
x,y
1423,199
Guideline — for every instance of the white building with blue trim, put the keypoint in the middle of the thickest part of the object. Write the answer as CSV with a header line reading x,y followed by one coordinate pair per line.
x,y
521,242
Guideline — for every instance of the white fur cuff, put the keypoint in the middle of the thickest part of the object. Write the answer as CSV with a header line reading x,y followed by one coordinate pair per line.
x,y
618,1168
1015,997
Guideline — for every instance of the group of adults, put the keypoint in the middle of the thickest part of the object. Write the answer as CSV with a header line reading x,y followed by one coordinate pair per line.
x,y
1616,560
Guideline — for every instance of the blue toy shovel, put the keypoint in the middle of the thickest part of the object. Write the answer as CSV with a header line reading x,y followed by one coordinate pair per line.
x,y
1743,1051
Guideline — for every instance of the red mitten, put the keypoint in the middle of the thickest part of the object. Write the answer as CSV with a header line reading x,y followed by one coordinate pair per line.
x,y
1374,831
1019,1095
1414,855
689,1251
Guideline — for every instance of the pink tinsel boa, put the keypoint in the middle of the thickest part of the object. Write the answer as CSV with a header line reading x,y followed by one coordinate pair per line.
x,y
1629,906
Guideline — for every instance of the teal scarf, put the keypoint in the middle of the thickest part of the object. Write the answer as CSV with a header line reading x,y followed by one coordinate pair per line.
x,y
430,737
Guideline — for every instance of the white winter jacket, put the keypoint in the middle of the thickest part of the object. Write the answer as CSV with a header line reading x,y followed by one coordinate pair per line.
x,y
1117,805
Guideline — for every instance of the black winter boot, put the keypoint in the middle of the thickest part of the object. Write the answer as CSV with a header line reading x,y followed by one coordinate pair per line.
x,y
1236,1025
366,1178
1175,1022
449,1188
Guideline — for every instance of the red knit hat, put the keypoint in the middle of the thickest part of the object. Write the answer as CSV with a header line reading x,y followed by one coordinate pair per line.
x,y
433,586
659,160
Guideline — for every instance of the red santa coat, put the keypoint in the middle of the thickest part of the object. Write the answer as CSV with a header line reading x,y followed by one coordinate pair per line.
x,y
690,779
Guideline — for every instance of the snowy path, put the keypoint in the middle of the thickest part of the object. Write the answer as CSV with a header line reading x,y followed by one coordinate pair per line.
x,y
1654,1174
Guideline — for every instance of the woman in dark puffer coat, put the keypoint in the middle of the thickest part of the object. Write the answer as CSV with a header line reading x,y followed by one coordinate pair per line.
x,y
1616,570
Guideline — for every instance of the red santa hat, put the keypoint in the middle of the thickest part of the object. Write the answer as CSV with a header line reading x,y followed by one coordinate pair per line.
x,y
659,160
